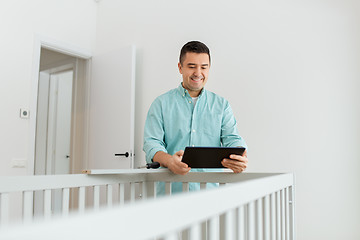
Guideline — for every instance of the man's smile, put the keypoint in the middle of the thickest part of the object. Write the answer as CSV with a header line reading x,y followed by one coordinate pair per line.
x,y
196,79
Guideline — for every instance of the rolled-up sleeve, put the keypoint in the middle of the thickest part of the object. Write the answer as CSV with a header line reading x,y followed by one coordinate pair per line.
x,y
229,133
154,132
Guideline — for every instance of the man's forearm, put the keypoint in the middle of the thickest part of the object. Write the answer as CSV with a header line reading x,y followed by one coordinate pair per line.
x,y
162,158
172,162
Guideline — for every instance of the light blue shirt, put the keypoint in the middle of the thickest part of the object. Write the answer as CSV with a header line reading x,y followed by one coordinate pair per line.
x,y
173,123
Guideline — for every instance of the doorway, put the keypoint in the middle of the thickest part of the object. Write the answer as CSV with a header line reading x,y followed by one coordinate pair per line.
x,y
60,120
59,144
53,125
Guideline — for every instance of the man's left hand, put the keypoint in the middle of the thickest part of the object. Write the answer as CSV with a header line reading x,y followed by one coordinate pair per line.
x,y
237,163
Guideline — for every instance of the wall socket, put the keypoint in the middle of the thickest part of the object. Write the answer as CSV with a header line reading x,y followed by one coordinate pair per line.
x,y
18,163
24,113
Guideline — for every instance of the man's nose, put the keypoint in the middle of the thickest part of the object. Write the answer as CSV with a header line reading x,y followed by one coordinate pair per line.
x,y
197,72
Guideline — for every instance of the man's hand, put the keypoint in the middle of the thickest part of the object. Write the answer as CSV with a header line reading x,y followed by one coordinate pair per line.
x,y
237,163
176,165
173,163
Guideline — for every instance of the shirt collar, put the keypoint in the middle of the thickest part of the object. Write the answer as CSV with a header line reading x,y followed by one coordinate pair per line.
x,y
183,91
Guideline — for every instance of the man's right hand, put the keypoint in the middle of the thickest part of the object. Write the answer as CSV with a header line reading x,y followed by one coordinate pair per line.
x,y
176,165
173,163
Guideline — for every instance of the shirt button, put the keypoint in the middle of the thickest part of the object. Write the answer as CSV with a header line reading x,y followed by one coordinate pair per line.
x,y
193,130
189,101
193,145
183,95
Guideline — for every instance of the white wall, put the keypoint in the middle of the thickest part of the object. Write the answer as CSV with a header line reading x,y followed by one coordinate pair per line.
x,y
290,72
71,22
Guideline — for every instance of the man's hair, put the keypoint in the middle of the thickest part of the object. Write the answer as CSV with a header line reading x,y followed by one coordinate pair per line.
x,y
195,47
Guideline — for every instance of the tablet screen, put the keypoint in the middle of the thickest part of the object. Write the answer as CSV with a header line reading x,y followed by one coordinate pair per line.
x,y
209,157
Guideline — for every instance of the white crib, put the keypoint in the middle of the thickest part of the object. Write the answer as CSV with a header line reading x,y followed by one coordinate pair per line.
x,y
122,204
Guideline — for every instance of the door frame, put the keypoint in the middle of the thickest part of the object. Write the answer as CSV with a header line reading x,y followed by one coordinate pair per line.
x,y
61,47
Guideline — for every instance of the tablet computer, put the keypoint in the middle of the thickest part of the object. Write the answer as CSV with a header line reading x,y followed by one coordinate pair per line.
x,y
209,157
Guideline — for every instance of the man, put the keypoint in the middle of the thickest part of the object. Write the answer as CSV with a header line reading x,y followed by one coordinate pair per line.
x,y
191,116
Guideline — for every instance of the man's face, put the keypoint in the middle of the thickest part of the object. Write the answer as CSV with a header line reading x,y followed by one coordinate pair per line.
x,y
195,71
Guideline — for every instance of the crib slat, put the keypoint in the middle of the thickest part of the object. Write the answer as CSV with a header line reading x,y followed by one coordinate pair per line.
x,y
195,232
278,216
213,228
222,220
283,233
259,219
132,192
65,201
4,209
273,216
27,206
96,197
292,212
185,186
81,199
241,223
171,236
168,188
150,188
204,224
142,190
266,217
287,214
230,224
122,193
251,221
109,192
47,203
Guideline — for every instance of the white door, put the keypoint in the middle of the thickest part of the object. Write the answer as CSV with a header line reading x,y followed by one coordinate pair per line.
x,y
112,110
54,123
62,126
53,131
60,102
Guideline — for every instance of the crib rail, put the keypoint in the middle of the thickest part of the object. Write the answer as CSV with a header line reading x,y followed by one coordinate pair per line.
x,y
247,206
27,185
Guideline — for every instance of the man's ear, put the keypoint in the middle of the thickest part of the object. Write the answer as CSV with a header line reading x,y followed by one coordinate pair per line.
x,y
180,68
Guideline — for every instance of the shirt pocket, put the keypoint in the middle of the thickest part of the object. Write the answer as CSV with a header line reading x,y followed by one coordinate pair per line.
x,y
211,124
